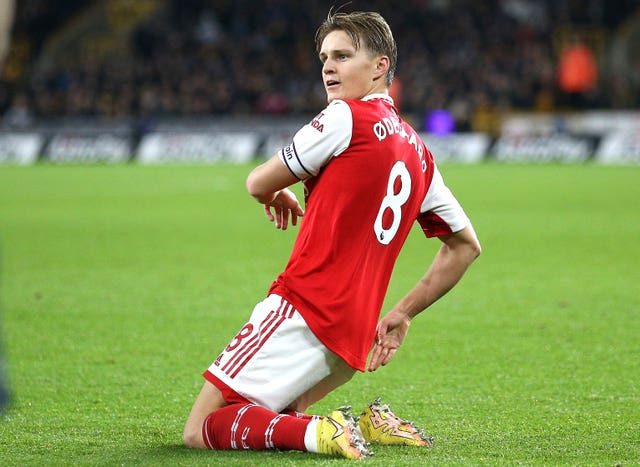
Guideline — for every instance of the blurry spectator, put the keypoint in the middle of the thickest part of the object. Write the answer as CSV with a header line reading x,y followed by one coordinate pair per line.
x,y
577,72
272,103
18,116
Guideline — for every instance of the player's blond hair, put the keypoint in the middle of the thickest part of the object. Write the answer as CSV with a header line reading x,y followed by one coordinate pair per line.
x,y
366,26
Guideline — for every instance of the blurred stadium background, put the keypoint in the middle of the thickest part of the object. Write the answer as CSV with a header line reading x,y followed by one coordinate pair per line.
x,y
203,80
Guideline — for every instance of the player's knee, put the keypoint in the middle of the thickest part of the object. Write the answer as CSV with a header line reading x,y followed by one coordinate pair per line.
x,y
192,437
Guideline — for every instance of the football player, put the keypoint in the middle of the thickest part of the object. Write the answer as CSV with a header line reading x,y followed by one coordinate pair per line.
x,y
367,177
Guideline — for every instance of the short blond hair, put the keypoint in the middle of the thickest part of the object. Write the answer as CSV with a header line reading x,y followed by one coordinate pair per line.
x,y
366,26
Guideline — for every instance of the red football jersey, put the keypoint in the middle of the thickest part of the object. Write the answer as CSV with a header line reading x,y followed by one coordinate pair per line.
x,y
368,176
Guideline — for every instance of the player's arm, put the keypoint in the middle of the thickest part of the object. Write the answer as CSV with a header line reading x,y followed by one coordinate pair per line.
x,y
311,149
268,184
456,254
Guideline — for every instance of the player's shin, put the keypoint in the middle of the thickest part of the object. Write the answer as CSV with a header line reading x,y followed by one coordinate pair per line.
x,y
249,426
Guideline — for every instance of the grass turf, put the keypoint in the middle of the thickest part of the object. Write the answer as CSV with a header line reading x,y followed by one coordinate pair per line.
x,y
121,284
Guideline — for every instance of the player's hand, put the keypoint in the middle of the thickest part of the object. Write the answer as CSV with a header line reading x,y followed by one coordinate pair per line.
x,y
284,205
390,334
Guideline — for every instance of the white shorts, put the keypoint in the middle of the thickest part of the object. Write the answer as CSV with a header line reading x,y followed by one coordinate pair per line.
x,y
277,362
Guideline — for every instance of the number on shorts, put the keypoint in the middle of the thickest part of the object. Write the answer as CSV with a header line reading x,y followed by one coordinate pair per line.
x,y
244,332
393,201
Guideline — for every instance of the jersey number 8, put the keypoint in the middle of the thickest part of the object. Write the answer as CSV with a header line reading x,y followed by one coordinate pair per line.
x,y
394,202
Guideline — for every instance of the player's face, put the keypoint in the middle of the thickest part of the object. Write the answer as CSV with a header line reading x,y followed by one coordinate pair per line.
x,y
348,73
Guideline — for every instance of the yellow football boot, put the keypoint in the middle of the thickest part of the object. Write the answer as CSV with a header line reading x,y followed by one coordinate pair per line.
x,y
379,425
338,435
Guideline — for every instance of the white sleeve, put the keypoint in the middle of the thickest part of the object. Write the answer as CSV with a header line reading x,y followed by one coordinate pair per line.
x,y
326,136
440,202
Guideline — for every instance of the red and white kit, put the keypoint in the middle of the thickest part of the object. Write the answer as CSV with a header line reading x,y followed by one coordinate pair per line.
x,y
368,176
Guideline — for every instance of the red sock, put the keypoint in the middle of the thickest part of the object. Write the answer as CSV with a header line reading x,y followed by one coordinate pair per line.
x,y
249,426
295,413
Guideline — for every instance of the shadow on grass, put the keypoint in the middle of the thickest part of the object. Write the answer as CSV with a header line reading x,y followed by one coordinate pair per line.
x,y
177,454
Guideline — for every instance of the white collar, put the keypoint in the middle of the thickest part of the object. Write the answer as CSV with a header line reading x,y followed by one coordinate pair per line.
x,y
385,97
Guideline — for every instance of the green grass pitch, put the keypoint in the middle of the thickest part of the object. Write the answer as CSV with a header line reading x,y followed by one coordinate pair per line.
x,y
120,284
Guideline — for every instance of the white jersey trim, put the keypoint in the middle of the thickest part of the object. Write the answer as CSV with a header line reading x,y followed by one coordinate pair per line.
x,y
384,97
441,201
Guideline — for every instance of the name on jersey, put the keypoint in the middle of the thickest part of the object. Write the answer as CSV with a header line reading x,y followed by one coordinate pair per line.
x,y
391,126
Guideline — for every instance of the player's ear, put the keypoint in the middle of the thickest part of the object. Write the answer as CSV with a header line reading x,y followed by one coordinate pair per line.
x,y
382,66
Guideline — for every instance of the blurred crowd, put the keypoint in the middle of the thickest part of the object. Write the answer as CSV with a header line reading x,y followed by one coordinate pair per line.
x,y
239,57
